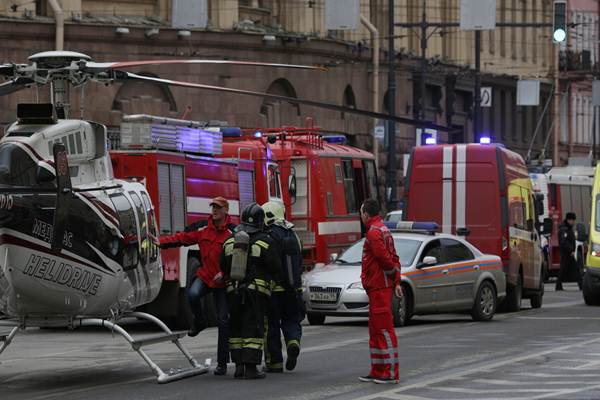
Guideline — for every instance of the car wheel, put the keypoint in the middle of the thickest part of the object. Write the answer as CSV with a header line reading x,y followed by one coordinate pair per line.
x,y
315,319
538,298
485,303
401,308
589,296
514,295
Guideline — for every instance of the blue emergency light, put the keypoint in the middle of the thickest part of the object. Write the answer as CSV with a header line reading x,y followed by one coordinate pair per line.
x,y
258,134
413,226
430,141
231,131
485,140
335,139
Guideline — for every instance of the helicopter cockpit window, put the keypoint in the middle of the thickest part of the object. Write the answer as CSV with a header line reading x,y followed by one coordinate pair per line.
x,y
17,168
144,245
130,251
151,227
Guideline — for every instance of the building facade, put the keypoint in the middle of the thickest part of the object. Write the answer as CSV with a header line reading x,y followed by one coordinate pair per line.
x,y
290,31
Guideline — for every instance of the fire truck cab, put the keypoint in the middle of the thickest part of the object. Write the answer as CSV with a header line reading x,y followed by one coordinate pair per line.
x,y
482,192
327,181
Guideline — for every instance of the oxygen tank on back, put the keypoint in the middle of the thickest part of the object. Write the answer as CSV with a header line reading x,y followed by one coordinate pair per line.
x,y
241,244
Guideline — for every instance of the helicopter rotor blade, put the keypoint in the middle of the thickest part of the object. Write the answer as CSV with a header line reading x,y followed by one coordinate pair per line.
x,y
122,75
14,85
103,66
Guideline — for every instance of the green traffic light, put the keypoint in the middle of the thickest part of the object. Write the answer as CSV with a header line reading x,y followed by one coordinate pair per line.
x,y
559,35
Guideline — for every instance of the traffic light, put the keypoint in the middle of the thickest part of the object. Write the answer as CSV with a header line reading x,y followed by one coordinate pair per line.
x,y
559,25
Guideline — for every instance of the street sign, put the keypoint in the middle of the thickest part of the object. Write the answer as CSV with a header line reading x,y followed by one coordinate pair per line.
x,y
528,92
379,132
477,14
342,14
486,96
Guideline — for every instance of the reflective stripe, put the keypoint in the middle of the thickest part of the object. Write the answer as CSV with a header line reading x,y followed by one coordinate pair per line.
x,y
255,251
391,349
259,288
261,282
277,288
228,249
461,184
292,342
447,190
262,244
229,241
275,365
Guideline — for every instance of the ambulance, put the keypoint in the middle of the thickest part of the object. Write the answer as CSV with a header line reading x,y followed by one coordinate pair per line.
x,y
482,192
591,276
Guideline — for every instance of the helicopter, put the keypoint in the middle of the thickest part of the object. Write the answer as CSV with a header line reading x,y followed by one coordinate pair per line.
x,y
77,246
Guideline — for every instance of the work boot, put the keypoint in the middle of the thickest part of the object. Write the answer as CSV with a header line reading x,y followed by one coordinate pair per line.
x,y
293,351
251,372
239,371
197,327
221,369
271,369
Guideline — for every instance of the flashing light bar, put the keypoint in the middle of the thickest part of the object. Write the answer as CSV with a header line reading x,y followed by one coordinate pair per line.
x,y
335,139
258,134
232,131
430,227
430,141
485,140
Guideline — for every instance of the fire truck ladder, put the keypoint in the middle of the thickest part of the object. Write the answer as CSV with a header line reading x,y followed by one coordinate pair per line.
x,y
166,336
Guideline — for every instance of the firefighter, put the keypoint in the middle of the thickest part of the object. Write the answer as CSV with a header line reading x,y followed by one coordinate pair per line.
x,y
566,242
286,309
208,278
250,259
380,277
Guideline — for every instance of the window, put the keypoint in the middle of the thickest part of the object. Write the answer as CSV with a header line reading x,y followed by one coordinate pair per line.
x,y
432,249
349,188
274,182
455,251
371,175
527,209
338,173
516,207
141,214
151,227
127,225
17,168
405,248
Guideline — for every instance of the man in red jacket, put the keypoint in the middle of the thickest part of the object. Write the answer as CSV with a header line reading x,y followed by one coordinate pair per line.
x,y
209,277
380,277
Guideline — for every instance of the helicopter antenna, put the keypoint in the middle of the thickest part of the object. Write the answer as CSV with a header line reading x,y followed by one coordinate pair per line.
x,y
60,97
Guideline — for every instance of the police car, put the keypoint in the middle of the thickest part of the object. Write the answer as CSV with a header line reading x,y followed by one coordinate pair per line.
x,y
441,273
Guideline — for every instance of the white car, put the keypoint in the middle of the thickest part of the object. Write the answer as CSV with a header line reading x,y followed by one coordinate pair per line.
x,y
440,273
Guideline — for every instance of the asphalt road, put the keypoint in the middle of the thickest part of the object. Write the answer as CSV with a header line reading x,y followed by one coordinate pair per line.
x,y
549,353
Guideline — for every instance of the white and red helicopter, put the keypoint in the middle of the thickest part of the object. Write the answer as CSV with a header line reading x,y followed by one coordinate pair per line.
x,y
77,246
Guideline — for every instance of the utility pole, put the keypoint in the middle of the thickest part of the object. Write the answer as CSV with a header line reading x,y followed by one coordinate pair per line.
x,y
477,94
390,184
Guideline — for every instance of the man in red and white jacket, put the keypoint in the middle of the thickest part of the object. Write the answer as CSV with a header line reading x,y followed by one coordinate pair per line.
x,y
209,278
380,278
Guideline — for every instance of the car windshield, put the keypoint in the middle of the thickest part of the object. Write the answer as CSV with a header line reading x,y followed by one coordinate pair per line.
x,y
393,217
405,248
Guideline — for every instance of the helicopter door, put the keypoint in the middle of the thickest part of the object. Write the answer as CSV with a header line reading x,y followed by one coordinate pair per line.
x,y
144,245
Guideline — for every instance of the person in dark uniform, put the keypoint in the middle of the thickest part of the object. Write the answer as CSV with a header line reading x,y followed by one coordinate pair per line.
x,y
286,309
566,242
248,289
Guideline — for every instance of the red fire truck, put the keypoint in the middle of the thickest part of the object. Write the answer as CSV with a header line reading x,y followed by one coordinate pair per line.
x,y
483,192
184,165
327,181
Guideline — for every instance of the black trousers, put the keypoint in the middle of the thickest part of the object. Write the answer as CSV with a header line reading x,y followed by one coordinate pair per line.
x,y
247,309
285,315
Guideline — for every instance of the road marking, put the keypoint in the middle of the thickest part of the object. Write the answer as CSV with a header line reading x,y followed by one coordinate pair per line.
x,y
485,391
478,369
517,383
561,318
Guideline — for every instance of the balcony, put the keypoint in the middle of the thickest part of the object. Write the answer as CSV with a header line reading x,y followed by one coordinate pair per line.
x,y
577,61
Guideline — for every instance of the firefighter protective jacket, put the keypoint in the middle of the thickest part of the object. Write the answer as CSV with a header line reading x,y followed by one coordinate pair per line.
x,y
380,264
210,241
290,277
264,262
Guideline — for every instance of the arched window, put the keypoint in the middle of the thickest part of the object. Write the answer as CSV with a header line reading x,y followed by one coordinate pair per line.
x,y
280,113
349,99
139,97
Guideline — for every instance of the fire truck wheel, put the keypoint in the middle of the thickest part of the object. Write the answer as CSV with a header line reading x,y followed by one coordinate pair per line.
x,y
401,307
315,319
514,295
538,298
485,303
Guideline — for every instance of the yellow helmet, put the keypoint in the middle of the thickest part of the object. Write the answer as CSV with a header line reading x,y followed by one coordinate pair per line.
x,y
274,212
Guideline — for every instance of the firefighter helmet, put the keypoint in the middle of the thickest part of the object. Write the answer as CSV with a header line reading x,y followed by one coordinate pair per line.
x,y
274,212
253,218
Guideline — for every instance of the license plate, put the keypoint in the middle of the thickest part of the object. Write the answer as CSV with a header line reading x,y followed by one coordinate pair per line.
x,y
323,296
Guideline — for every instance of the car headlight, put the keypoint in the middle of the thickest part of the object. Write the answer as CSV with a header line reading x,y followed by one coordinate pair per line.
x,y
356,285
595,250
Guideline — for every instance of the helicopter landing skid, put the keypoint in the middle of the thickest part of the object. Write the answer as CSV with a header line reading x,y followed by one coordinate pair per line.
x,y
166,336
6,338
